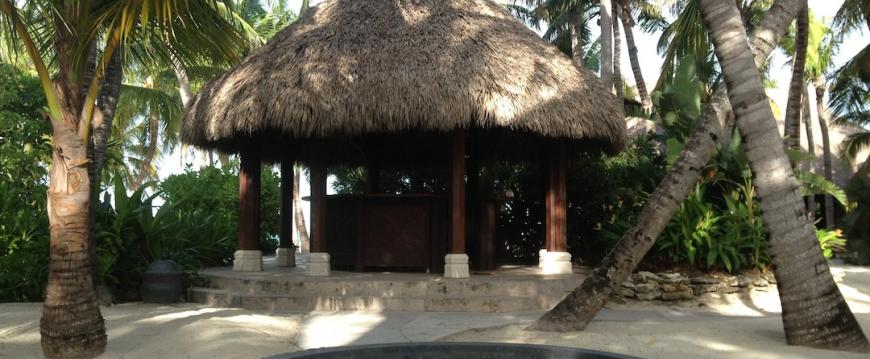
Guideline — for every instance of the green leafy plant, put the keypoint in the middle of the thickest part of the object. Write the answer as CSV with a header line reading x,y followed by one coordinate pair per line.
x,y
831,242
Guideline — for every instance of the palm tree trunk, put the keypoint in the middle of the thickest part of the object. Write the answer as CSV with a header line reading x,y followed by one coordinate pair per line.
x,y
830,220
299,216
791,123
811,149
581,305
577,38
606,53
814,312
101,125
148,159
628,28
71,324
617,54
304,7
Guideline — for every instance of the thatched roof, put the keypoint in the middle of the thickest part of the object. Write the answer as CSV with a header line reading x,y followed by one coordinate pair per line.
x,y
354,67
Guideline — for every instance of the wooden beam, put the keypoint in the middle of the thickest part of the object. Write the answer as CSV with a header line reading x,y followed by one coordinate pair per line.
x,y
556,223
286,238
457,193
318,208
249,201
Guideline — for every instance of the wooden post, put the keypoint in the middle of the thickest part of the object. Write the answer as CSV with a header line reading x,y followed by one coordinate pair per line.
x,y
557,234
456,261
556,259
318,259
248,257
286,239
457,193
318,208
249,202
285,255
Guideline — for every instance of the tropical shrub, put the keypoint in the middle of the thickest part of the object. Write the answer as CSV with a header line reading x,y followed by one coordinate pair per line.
x,y
24,151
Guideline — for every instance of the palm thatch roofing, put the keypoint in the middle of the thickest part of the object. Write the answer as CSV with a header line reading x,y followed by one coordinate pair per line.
x,y
360,67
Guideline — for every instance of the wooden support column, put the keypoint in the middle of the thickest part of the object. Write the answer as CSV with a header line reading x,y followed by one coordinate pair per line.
x,y
456,261
285,255
556,259
557,235
318,259
457,193
249,201
248,257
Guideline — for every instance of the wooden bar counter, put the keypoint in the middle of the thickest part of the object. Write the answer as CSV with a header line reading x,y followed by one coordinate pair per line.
x,y
385,232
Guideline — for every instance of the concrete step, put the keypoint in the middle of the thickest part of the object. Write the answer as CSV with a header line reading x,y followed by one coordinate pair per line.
x,y
396,289
425,303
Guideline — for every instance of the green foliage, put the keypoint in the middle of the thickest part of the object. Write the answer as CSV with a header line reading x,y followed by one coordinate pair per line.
x,y
24,152
131,233
217,191
857,222
831,242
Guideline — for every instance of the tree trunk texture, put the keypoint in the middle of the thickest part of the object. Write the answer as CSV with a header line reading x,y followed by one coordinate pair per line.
x,y
150,153
577,39
617,54
811,150
101,128
792,121
606,54
819,84
299,215
628,29
814,312
581,305
304,7
71,324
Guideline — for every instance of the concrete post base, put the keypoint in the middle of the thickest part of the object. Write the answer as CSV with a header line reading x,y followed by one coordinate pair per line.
x,y
318,264
248,261
541,254
285,257
456,266
556,263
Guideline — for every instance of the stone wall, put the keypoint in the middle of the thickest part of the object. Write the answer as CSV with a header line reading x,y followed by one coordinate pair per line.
x,y
675,286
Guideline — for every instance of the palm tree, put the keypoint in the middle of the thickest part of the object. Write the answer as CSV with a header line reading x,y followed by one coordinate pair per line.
x,y
581,305
795,95
71,325
605,17
813,310
651,12
617,52
850,90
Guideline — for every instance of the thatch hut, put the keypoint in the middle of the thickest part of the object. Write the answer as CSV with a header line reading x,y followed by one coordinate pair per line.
x,y
401,83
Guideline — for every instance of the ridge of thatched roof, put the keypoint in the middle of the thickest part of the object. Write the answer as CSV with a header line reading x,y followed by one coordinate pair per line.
x,y
353,67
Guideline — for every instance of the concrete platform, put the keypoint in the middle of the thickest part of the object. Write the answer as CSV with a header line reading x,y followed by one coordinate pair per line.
x,y
508,289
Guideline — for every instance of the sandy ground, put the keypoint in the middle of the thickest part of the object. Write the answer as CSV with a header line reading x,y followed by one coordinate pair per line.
x,y
733,327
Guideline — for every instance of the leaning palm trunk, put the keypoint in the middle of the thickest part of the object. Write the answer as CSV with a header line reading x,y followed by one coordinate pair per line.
x,y
577,38
299,216
628,29
830,220
814,312
811,149
606,54
617,54
579,307
71,324
791,124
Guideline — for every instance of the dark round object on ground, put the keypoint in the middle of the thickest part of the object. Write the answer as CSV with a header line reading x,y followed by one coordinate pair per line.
x,y
162,282
449,350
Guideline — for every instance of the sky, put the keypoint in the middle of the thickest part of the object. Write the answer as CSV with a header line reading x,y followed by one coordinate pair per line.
x,y
650,61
